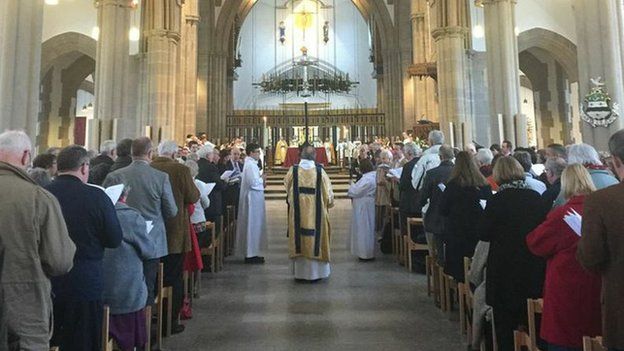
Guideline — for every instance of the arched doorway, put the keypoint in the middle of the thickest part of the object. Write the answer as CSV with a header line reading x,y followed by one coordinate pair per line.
x,y
67,67
549,62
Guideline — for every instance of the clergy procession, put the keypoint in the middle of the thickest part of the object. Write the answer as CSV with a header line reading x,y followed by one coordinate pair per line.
x,y
492,228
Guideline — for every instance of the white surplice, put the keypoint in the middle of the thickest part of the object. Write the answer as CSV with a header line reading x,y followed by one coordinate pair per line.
x,y
362,238
251,233
305,268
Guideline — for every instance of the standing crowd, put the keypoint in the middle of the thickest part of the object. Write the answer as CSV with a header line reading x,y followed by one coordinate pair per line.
x,y
509,211
68,246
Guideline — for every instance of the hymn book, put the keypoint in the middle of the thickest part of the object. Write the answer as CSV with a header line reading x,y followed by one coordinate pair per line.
x,y
113,192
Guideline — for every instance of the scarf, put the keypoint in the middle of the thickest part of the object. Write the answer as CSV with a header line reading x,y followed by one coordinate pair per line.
x,y
516,184
595,167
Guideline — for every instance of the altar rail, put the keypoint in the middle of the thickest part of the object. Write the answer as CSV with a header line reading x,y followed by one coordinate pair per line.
x,y
319,118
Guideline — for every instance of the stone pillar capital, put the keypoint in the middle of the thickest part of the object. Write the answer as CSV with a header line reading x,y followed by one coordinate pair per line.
x,y
449,32
117,3
492,2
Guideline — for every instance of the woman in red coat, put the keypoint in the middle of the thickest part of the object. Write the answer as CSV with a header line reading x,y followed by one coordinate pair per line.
x,y
571,294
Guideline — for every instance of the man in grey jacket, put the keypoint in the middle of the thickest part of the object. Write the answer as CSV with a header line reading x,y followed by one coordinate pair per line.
x,y
152,196
36,246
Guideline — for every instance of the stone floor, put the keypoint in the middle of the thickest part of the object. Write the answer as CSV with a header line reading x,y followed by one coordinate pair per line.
x,y
363,306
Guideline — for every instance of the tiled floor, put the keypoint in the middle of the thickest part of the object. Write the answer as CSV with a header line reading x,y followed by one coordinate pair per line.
x,y
363,306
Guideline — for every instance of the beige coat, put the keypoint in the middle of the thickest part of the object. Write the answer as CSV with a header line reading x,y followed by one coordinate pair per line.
x,y
36,246
185,193
601,249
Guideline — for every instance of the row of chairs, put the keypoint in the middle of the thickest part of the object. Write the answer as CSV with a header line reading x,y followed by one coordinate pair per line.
x,y
448,293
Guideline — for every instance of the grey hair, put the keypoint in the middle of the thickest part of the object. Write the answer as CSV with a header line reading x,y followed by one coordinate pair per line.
x,y
556,165
205,151
386,153
484,156
14,142
193,167
583,154
410,148
40,176
436,137
108,146
167,147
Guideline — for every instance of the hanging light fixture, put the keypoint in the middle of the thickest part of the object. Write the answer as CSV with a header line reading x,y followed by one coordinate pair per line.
x,y
84,108
90,106
134,34
95,33
51,2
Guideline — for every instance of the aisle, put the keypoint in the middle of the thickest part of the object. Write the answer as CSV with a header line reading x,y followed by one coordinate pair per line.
x,y
363,306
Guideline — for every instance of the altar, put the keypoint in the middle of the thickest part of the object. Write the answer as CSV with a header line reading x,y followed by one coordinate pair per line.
x,y
292,156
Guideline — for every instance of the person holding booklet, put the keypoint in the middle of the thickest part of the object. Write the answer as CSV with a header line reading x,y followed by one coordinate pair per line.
x,y
461,209
567,317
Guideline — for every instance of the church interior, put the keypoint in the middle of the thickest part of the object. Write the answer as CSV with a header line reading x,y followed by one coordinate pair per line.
x,y
335,74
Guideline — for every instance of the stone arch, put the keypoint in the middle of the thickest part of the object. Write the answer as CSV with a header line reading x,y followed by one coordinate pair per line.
x,y
63,44
550,62
562,49
66,61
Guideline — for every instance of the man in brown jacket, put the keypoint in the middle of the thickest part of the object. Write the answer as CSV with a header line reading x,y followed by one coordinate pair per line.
x,y
35,245
178,237
601,248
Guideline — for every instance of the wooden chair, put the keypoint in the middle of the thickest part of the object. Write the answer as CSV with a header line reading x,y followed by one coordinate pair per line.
x,y
429,266
54,348
534,306
410,245
449,291
522,341
528,339
164,294
107,342
396,233
212,249
148,327
466,301
593,344
230,237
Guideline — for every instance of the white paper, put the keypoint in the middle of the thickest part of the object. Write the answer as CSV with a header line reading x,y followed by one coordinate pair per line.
x,y
114,192
396,172
483,203
209,187
574,221
442,186
149,225
227,175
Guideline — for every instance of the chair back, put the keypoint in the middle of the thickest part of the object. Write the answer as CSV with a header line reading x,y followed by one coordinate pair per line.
x,y
593,344
534,306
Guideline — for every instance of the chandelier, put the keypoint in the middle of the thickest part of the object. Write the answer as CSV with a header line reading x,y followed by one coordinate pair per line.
x,y
305,77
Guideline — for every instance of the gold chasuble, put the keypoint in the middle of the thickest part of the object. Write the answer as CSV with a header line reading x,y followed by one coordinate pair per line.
x,y
309,197
280,152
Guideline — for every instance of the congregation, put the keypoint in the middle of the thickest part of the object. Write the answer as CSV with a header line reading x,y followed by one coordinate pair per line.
x,y
508,209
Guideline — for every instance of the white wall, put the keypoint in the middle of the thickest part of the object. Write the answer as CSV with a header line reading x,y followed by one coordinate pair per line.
x,y
554,15
77,16
261,51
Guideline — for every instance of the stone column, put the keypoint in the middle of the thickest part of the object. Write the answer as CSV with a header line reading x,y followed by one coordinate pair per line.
x,y
111,71
161,37
21,24
424,88
187,72
599,28
453,79
503,77
217,94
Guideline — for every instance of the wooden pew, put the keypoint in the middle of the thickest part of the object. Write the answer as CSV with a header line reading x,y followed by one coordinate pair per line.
x,y
164,294
529,339
465,302
212,249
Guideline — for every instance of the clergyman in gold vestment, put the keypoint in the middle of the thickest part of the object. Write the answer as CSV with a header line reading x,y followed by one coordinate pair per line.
x,y
280,151
310,196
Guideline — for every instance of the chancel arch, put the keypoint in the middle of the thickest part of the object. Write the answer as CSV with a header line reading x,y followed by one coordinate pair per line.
x,y
222,56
